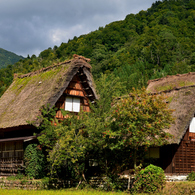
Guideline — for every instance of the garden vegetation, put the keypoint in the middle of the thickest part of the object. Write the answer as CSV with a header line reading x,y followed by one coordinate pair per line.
x,y
115,135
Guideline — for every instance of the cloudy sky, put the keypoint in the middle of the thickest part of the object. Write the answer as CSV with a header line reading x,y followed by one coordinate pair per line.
x,y
30,26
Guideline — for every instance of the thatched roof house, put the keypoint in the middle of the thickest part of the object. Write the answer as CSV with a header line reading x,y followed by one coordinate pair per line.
x,y
68,85
28,93
180,92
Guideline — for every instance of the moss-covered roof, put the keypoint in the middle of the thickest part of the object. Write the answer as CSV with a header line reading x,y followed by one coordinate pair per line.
x,y
28,93
180,93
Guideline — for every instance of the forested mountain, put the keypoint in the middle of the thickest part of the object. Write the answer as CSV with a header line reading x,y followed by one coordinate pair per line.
x,y
151,44
7,57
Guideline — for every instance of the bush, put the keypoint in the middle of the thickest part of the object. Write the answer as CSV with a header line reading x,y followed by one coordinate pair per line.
x,y
191,176
148,180
34,161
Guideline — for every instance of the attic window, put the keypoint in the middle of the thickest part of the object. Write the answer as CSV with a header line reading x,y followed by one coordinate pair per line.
x,y
72,104
192,125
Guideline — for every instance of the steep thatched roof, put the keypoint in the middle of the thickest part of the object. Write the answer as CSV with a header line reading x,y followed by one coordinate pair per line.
x,y
180,93
28,93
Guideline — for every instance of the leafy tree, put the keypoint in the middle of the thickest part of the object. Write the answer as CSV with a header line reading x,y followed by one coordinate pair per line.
x,y
78,138
47,127
71,146
138,121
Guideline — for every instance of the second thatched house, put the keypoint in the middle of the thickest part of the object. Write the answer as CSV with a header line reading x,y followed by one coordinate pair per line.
x,y
67,85
179,156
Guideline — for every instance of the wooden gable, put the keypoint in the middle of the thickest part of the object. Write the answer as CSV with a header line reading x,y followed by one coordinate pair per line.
x,y
74,89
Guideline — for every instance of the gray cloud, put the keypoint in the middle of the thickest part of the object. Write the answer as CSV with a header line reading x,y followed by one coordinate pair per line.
x,y
28,27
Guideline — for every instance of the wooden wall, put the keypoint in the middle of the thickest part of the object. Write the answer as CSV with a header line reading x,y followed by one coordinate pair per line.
x,y
185,155
179,159
11,157
75,88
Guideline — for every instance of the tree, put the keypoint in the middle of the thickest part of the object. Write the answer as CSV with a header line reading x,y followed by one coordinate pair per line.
x,y
138,121
71,143
71,147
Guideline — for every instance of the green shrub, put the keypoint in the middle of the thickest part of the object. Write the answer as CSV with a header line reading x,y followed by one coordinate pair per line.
x,y
191,176
34,161
148,180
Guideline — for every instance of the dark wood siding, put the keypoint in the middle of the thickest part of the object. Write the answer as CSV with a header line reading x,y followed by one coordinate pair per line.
x,y
179,159
185,154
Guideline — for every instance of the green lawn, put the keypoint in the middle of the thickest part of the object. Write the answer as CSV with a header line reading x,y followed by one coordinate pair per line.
x,y
58,192
171,188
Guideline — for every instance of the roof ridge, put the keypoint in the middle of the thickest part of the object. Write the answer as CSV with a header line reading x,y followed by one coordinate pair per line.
x,y
168,76
75,56
74,59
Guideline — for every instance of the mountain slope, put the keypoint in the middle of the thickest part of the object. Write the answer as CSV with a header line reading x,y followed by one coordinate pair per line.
x,y
7,58
151,44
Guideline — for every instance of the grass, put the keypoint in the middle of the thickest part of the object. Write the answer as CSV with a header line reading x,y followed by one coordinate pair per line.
x,y
171,188
165,88
185,83
58,192
171,86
